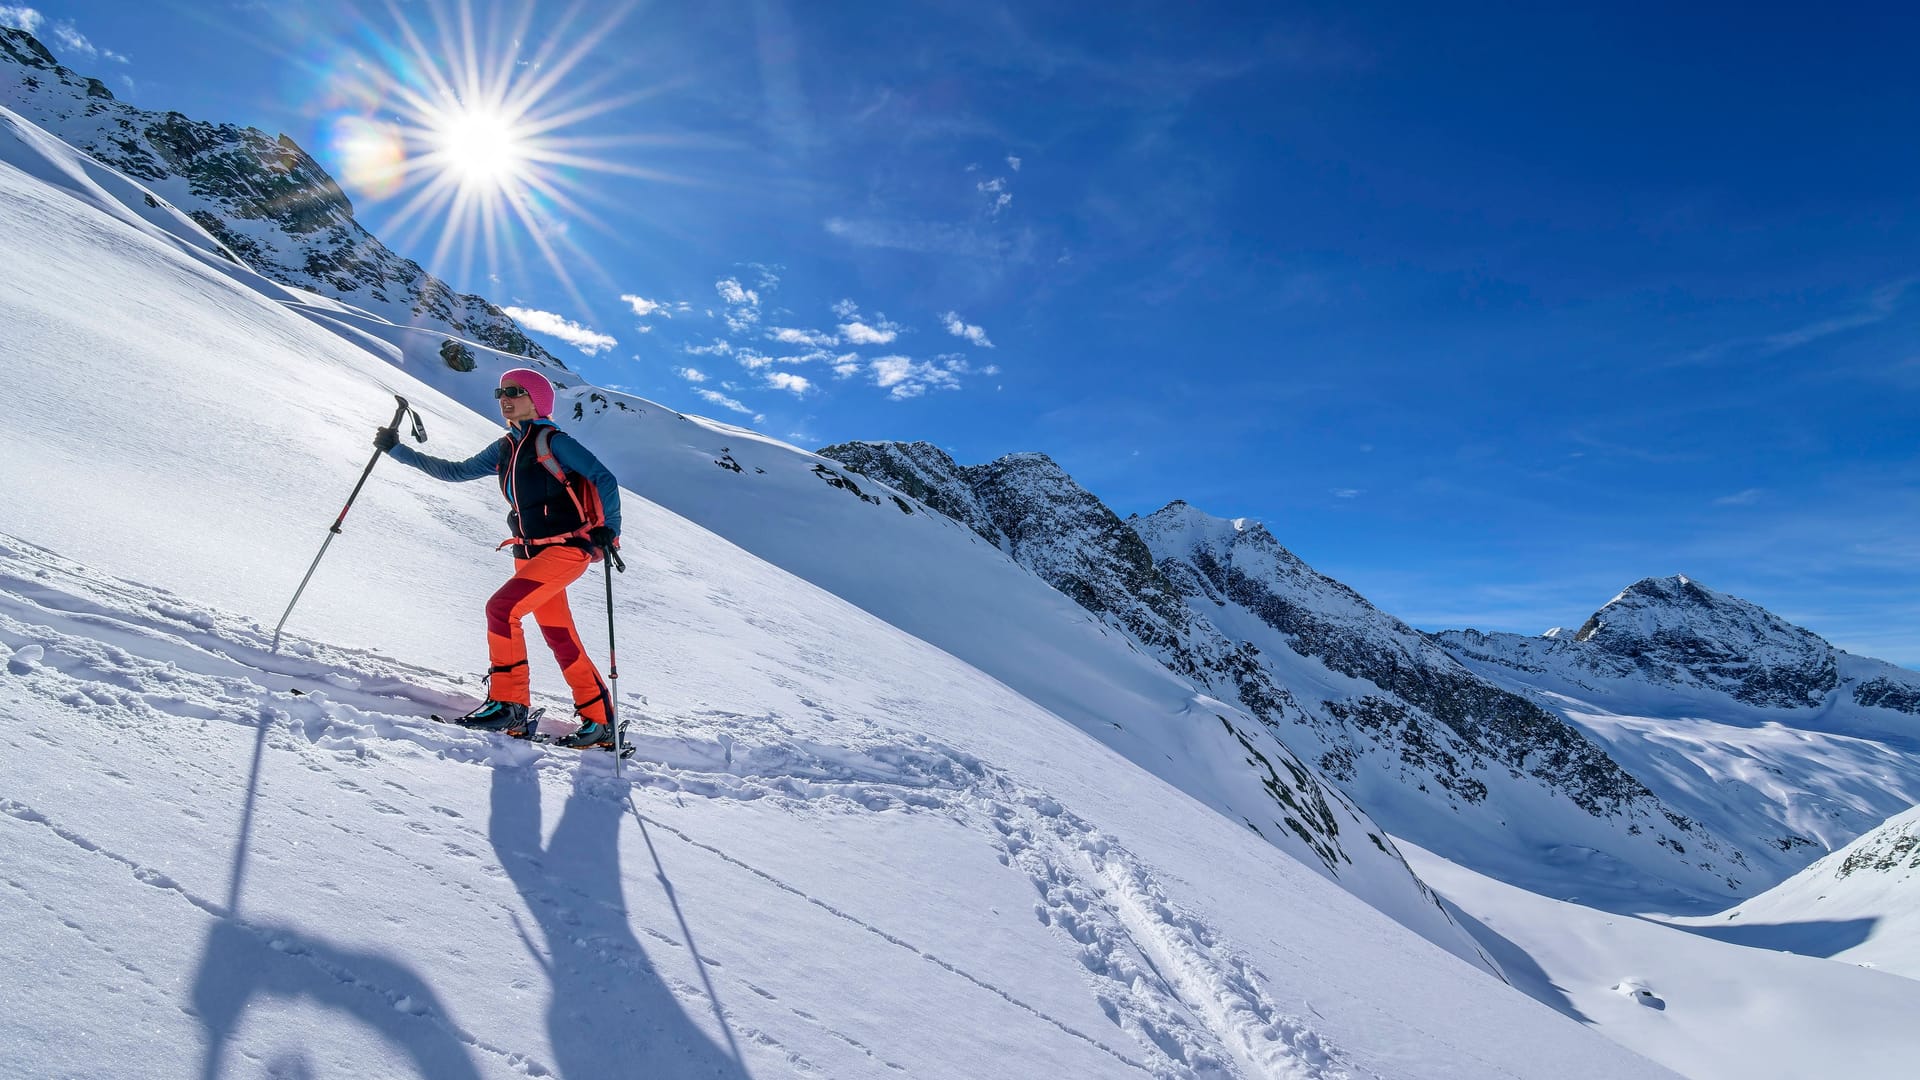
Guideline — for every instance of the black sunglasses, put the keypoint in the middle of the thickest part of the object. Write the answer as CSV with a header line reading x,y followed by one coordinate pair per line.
x,y
510,390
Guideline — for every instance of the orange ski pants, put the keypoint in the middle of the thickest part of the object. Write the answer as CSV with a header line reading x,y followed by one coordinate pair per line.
x,y
539,588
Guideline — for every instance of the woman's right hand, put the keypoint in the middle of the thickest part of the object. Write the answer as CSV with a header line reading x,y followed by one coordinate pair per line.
x,y
385,439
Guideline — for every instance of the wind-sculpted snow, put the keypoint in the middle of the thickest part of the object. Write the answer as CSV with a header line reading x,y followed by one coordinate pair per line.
x,y
263,198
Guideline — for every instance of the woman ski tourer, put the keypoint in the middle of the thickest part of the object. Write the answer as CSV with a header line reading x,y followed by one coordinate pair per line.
x,y
565,512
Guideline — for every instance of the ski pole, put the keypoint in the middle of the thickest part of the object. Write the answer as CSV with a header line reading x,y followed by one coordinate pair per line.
x,y
419,435
613,662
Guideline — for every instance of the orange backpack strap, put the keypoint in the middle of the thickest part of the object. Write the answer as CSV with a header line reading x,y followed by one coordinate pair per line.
x,y
543,453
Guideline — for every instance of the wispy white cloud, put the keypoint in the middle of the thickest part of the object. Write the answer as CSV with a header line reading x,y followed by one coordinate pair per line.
x,y
846,366
859,333
644,307
1741,498
752,359
718,348
791,336
691,374
587,340
998,197
722,400
743,304
1013,163
788,381
960,329
25,18
1347,493
69,38
860,330
904,377
767,277
1881,304
925,237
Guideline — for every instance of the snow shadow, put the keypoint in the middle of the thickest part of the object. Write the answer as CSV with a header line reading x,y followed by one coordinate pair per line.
x,y
1823,938
611,1011
1523,973
242,964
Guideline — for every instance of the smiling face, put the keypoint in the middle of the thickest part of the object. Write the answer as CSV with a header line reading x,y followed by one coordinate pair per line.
x,y
517,410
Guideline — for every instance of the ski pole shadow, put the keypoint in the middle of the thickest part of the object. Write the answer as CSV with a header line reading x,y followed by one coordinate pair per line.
x,y
611,1013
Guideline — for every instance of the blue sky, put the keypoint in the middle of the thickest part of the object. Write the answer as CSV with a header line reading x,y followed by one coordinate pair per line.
x,y
1487,312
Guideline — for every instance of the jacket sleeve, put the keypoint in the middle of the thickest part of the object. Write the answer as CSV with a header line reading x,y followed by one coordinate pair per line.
x,y
484,463
578,459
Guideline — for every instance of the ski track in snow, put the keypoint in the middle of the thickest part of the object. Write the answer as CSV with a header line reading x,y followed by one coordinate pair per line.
x,y
141,658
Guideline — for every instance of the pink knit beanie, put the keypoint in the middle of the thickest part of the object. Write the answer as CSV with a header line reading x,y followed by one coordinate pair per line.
x,y
536,386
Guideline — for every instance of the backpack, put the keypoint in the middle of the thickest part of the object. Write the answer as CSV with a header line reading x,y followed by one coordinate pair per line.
x,y
585,496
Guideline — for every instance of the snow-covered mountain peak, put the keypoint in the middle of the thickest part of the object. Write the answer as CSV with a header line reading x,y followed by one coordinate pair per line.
x,y
1681,633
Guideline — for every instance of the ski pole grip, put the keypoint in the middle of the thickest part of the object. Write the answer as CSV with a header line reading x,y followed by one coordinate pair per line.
x,y
614,559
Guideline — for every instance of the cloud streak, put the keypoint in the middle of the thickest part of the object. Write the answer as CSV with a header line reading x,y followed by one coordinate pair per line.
x,y
586,339
960,329
644,307
722,400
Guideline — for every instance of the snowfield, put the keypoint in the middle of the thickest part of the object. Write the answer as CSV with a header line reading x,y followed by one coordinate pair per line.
x,y
838,851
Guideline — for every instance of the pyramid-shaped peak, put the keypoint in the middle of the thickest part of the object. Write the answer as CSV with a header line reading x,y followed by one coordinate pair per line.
x,y
1681,632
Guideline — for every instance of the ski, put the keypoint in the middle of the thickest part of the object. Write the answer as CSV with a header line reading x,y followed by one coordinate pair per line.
x,y
532,724
626,748
533,734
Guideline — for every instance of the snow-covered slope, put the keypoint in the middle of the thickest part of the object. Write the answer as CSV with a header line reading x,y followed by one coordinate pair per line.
x,y
1860,904
261,200
842,851
1707,1008
1760,729
1435,752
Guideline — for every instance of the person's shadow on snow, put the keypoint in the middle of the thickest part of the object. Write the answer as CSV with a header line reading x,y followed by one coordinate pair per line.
x,y
242,964
611,1014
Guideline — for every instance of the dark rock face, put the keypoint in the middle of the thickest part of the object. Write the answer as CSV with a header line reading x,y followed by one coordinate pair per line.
x,y
1413,713
1483,725
924,472
1674,632
264,199
1886,694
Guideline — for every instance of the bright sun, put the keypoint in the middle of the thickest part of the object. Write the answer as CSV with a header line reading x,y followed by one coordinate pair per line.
x,y
477,131
480,146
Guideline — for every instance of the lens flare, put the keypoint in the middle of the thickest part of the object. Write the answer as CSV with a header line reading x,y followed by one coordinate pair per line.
x,y
372,155
463,127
